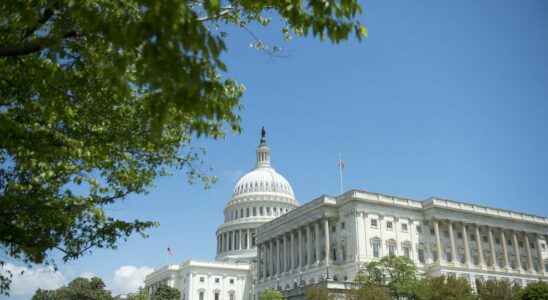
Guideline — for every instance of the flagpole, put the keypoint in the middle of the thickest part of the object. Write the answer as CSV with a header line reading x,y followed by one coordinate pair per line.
x,y
340,172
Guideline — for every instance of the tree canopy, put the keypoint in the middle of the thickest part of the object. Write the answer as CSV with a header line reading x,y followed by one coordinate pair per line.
x,y
498,290
447,288
397,273
79,288
271,295
99,98
319,293
165,292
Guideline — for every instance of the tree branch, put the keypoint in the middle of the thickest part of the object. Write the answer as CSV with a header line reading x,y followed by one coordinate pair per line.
x,y
48,13
31,47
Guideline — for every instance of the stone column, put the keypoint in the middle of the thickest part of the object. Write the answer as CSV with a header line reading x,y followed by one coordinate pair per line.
x,y
248,239
300,249
480,248
492,249
466,246
438,240
539,253
292,255
317,231
529,256
272,262
240,245
260,262
326,239
452,242
516,251
285,253
504,250
308,245
278,257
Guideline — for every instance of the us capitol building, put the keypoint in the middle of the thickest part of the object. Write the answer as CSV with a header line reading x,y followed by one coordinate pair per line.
x,y
268,241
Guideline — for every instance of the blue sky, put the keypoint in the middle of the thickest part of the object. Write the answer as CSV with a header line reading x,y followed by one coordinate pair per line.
x,y
444,98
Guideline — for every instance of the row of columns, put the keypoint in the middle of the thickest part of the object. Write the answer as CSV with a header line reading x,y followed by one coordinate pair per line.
x,y
287,251
255,211
233,240
491,241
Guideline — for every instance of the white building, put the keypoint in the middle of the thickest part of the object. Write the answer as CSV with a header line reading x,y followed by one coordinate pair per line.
x,y
441,236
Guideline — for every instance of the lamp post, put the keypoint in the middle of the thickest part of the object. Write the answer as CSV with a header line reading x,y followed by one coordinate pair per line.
x,y
301,274
278,280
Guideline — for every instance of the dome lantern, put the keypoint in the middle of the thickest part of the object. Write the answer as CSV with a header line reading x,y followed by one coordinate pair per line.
x,y
263,152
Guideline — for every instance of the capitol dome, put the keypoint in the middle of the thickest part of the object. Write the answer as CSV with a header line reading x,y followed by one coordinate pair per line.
x,y
258,197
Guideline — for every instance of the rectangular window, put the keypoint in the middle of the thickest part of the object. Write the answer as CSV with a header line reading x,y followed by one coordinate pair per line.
x,y
373,222
231,296
342,225
532,245
247,211
389,225
202,279
216,280
485,239
435,255
376,250
231,281
459,235
406,252
475,260
392,249
509,242
333,228
404,227
419,229
472,236
260,211
421,255
546,267
446,233
432,231
543,246
520,243
241,212
461,257
448,256
216,296
497,241
201,297
254,211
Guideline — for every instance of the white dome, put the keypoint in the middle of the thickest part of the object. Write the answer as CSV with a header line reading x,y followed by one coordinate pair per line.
x,y
263,180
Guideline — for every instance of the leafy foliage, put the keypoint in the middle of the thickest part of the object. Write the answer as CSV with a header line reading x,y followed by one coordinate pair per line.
x,y
534,291
79,288
142,294
397,273
369,292
447,288
165,292
498,290
271,295
319,293
99,98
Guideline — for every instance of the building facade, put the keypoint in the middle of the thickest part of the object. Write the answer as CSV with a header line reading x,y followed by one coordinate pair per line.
x,y
268,242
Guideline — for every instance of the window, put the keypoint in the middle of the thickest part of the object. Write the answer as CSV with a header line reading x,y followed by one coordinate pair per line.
x,y
217,280
241,212
389,225
546,267
485,239
459,235
520,243
254,211
231,296
419,229
432,231
509,242
231,281
406,252
201,297
446,233
333,228
247,212
260,211
461,257
216,295
342,225
404,227
472,236
448,256
543,246
375,245
392,249
434,255
373,222
202,279
532,245
497,241
421,255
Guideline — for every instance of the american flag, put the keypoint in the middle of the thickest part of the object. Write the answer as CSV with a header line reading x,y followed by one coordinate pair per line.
x,y
169,252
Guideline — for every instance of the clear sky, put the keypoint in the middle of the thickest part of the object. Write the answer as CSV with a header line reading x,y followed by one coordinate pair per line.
x,y
444,98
